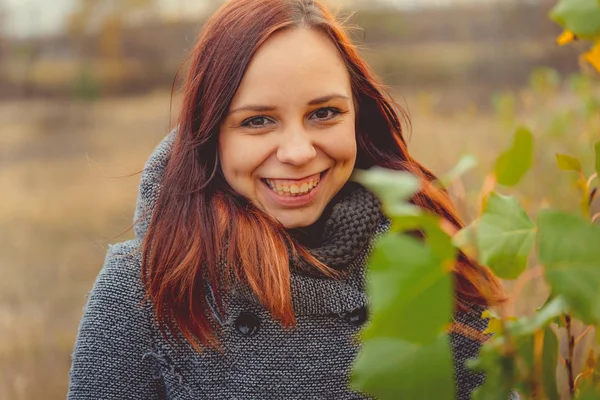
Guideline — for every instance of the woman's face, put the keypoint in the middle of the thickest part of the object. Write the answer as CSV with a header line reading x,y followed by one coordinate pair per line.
x,y
288,142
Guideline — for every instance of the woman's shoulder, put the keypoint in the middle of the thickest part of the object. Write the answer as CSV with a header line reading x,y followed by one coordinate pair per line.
x,y
119,282
123,262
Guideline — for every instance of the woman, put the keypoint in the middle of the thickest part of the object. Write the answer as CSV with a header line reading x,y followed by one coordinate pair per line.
x,y
245,279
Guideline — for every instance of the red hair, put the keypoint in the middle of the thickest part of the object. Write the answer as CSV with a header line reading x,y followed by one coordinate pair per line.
x,y
203,234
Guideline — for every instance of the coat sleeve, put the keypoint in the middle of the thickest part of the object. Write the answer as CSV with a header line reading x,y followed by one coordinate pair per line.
x,y
110,359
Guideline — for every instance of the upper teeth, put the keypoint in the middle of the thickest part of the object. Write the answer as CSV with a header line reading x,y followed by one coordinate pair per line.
x,y
293,189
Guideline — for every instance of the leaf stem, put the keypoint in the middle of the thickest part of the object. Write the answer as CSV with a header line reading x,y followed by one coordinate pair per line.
x,y
569,360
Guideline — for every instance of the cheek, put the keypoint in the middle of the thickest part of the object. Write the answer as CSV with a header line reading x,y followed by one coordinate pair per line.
x,y
239,156
232,164
341,144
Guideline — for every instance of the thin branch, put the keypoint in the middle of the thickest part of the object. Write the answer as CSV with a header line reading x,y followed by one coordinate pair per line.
x,y
571,345
591,178
562,360
589,328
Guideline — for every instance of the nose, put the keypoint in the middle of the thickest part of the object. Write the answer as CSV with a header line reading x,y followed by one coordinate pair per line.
x,y
296,148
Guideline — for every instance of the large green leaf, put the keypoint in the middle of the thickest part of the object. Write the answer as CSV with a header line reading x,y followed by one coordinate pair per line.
x,y
392,369
499,372
512,165
504,236
569,249
549,360
588,392
440,242
581,17
410,290
394,189
528,325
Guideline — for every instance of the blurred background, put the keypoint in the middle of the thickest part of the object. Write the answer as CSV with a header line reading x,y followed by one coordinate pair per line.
x,y
85,95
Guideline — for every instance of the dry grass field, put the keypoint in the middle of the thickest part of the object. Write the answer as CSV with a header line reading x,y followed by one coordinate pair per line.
x,y
66,195
62,203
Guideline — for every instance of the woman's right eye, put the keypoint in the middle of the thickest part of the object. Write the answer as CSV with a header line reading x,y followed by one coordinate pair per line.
x,y
256,122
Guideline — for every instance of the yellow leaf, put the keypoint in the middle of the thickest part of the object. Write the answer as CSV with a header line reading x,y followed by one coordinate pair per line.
x,y
495,323
566,37
494,326
590,361
593,56
488,314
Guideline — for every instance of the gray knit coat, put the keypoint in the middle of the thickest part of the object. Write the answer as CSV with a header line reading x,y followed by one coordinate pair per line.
x,y
120,353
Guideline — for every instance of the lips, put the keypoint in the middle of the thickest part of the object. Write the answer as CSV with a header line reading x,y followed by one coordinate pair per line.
x,y
294,192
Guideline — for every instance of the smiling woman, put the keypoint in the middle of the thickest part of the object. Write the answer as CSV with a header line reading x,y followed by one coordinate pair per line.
x,y
289,143
246,277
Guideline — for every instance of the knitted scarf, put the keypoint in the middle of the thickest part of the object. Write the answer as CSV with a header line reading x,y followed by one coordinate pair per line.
x,y
344,231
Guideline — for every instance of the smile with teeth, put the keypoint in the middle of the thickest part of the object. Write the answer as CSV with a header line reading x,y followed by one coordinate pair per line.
x,y
285,187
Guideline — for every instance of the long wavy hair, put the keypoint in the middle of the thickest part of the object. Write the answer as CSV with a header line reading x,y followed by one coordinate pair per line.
x,y
202,234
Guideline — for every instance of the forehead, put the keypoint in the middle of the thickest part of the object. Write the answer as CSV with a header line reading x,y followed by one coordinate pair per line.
x,y
299,62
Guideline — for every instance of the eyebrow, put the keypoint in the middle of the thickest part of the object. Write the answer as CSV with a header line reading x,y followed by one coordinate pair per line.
x,y
313,102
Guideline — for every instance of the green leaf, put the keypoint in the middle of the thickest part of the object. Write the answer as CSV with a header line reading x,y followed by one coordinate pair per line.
x,y
512,165
499,372
505,235
549,360
528,325
391,369
429,223
404,273
588,392
569,249
465,164
467,236
394,188
582,17
568,163
597,151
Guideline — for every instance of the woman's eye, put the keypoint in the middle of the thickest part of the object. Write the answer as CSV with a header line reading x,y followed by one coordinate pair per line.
x,y
256,122
325,114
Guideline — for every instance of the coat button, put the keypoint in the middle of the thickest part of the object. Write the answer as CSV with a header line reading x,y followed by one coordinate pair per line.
x,y
247,324
356,317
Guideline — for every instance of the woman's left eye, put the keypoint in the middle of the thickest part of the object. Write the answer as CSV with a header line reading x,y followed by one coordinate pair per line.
x,y
327,113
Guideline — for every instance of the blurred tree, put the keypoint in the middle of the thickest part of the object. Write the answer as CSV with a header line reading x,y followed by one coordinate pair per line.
x,y
95,29
107,21
3,39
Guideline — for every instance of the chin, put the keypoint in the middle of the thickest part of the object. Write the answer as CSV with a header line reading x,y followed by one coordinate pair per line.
x,y
301,219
